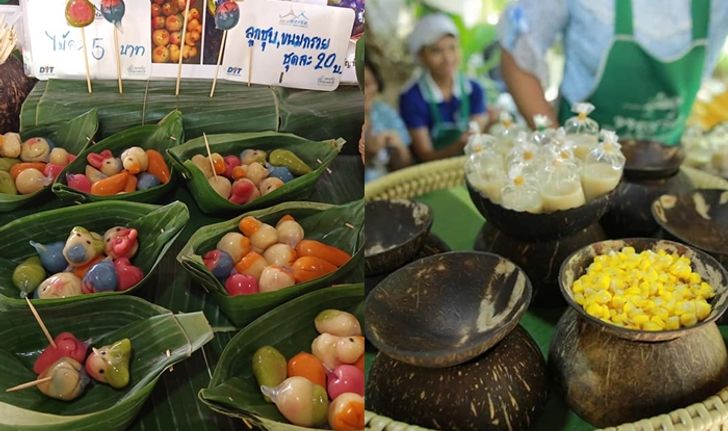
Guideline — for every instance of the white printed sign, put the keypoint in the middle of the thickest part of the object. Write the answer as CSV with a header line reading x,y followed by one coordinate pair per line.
x,y
294,45
56,48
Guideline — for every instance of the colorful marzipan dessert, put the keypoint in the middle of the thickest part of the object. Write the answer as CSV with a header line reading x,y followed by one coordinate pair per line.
x,y
85,263
324,386
263,258
254,173
135,169
30,166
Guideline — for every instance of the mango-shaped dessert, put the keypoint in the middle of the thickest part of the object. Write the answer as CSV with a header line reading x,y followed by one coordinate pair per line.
x,y
82,246
29,275
7,184
288,159
67,380
110,364
301,402
67,346
336,256
157,166
307,268
269,367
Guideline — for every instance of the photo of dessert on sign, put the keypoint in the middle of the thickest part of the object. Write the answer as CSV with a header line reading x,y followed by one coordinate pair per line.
x,y
170,38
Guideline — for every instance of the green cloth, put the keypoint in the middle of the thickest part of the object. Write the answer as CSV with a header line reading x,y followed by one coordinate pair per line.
x,y
640,96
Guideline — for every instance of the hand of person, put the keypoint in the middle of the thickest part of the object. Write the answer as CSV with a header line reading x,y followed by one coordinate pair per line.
x,y
392,139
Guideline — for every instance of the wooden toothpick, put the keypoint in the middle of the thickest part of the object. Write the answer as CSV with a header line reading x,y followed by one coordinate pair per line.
x,y
40,323
209,155
118,59
182,46
29,384
85,60
250,63
219,61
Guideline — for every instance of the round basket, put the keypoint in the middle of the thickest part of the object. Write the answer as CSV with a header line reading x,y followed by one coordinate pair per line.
x,y
409,183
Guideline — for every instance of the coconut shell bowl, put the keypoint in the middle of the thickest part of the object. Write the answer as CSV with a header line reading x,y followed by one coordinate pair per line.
x,y
395,232
699,218
441,324
610,374
652,169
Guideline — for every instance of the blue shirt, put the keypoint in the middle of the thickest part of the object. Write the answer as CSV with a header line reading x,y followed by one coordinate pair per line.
x,y
528,28
415,110
384,118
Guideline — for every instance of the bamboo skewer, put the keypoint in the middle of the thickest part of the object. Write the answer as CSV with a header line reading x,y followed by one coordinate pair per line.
x,y
182,44
250,63
118,59
29,384
40,323
219,61
209,155
85,60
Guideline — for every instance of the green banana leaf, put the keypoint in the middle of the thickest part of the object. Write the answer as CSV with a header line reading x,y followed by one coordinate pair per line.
x,y
161,136
359,58
73,135
323,222
317,155
158,228
159,339
233,390
235,108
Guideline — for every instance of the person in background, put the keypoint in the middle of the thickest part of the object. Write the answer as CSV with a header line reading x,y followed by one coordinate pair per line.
x,y
438,106
639,62
386,137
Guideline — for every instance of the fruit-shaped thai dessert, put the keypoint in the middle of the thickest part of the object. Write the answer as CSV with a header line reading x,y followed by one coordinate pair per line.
x,y
67,346
127,274
64,380
308,366
61,285
269,367
35,150
82,246
334,351
227,15
121,241
105,162
336,322
135,160
110,364
301,402
345,378
346,412
51,256
219,263
101,277
289,160
80,13
29,275
113,11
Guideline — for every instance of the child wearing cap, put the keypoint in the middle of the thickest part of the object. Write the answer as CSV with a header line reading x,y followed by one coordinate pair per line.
x,y
438,106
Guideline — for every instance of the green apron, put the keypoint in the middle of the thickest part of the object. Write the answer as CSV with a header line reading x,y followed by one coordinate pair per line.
x,y
639,96
443,133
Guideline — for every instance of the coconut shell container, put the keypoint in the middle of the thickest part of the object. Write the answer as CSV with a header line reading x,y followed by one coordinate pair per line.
x,y
452,355
249,271
247,171
286,333
652,169
75,253
148,339
131,165
538,243
611,371
31,160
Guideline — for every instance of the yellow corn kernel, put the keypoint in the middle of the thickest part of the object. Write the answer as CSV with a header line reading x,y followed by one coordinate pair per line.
x,y
594,309
640,319
694,278
702,309
672,323
577,287
652,326
688,319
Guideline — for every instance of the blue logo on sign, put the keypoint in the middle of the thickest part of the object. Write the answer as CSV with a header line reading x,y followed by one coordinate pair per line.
x,y
294,20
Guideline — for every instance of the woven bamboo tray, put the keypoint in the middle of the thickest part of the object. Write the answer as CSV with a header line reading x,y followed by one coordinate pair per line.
x,y
409,183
